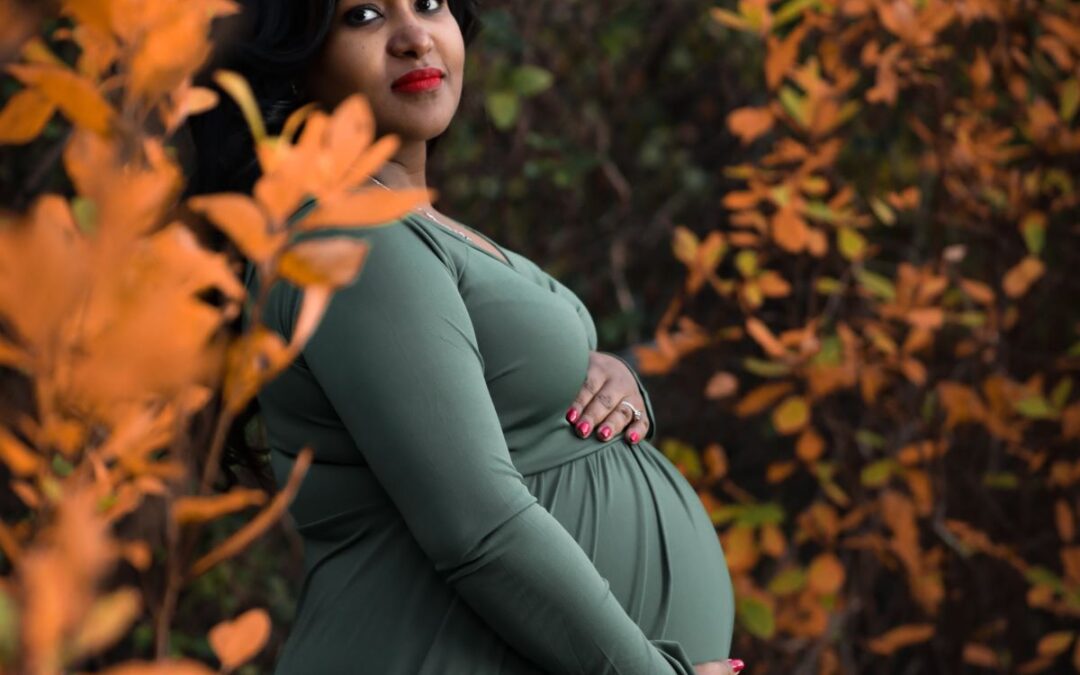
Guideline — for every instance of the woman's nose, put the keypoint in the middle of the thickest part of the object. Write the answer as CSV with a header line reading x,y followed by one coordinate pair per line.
x,y
410,40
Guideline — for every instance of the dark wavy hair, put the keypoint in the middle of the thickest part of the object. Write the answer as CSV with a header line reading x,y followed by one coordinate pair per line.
x,y
271,43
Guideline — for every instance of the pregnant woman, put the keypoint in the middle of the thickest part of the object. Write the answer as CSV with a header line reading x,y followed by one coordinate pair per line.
x,y
454,521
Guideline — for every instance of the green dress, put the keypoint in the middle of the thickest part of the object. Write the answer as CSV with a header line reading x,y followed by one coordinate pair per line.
x,y
453,523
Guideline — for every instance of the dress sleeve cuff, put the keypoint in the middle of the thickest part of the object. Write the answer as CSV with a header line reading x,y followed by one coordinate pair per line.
x,y
651,432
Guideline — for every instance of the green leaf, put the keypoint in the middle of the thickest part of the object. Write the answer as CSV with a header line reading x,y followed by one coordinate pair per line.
x,y
1070,100
1034,230
828,286
756,617
1061,392
503,107
61,466
763,368
531,80
851,243
869,439
883,211
877,474
86,214
876,284
788,582
1035,407
794,104
684,455
1040,576
793,10
756,515
747,263
831,352
1001,480
9,627
819,210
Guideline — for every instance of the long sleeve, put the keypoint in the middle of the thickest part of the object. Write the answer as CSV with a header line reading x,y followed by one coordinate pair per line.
x,y
397,357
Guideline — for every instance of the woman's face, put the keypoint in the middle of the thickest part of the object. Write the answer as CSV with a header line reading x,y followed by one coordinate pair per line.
x,y
374,44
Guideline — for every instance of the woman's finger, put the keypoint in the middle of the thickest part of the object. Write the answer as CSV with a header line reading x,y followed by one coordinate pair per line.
x,y
636,430
601,413
593,384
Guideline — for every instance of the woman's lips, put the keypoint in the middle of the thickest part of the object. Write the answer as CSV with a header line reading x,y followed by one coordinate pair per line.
x,y
421,79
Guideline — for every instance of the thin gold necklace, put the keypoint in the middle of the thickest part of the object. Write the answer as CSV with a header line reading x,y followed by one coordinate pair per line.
x,y
426,212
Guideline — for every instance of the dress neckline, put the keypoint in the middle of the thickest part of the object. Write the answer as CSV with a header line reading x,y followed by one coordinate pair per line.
x,y
505,260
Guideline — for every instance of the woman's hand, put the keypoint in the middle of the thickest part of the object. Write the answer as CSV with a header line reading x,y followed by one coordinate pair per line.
x,y
729,667
598,406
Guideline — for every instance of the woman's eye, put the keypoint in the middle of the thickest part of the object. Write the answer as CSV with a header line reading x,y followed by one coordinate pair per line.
x,y
429,6
360,15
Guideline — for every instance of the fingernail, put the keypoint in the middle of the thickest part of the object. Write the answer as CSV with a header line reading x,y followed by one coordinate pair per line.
x,y
634,436
605,432
571,415
584,428
736,664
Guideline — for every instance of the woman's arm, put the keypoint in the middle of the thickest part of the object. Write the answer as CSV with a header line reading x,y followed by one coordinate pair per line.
x,y
542,277
398,359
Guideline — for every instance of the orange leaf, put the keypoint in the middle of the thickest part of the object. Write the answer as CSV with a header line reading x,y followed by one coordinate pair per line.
x,y
721,385
1055,643
901,637
331,262
810,446
750,123
1066,524
790,231
253,359
740,549
826,574
77,97
189,510
254,529
169,54
782,55
716,461
25,116
764,337
772,540
108,620
240,218
981,655
791,416
761,398
684,244
1020,278
20,460
237,641
928,318
778,472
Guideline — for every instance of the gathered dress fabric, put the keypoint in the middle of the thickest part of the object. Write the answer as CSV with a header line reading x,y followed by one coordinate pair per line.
x,y
453,521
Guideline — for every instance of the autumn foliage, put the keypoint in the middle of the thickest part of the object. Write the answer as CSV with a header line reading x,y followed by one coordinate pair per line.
x,y
116,322
891,317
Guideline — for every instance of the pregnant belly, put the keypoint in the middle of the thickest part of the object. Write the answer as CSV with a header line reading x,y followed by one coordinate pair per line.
x,y
648,534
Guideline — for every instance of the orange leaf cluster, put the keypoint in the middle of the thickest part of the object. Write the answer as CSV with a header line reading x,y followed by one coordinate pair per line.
x,y
907,210
117,317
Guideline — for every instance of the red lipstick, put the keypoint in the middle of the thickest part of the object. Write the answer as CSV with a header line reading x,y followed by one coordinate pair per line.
x,y
421,79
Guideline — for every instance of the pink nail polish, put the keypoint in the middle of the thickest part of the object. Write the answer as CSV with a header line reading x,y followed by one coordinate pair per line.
x,y
736,665
571,415
584,428
605,433
634,436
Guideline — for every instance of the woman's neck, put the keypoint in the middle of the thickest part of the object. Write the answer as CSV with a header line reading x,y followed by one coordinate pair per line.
x,y
407,168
